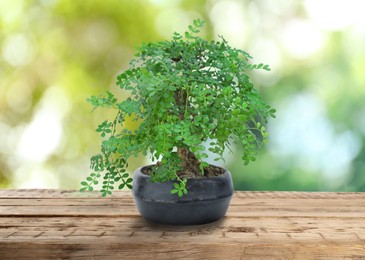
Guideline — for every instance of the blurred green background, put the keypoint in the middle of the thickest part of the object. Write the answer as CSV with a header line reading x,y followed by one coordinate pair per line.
x,y
56,53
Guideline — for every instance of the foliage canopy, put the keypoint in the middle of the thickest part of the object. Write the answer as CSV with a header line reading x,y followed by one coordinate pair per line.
x,y
184,93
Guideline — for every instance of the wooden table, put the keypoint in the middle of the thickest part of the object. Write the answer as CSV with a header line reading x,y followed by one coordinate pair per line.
x,y
61,224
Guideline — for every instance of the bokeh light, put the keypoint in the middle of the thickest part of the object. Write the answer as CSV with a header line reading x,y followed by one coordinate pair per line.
x,y
54,54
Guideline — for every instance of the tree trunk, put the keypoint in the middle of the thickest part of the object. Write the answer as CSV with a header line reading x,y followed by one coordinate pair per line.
x,y
189,161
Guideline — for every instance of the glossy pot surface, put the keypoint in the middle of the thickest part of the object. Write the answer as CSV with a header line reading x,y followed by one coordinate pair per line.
x,y
207,199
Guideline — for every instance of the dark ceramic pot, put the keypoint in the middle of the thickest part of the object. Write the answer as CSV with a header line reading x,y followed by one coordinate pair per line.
x,y
207,199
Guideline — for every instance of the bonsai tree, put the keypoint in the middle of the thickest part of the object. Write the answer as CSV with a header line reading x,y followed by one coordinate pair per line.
x,y
183,93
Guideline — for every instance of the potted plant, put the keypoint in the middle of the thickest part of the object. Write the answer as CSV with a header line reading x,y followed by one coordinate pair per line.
x,y
188,96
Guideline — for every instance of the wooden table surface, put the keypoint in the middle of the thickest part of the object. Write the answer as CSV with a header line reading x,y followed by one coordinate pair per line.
x,y
62,224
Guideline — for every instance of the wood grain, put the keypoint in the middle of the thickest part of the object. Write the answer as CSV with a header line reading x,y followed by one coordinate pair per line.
x,y
62,224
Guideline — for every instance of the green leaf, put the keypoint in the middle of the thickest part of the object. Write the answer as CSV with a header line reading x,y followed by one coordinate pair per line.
x,y
176,36
266,67
204,155
201,148
180,193
198,118
188,35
